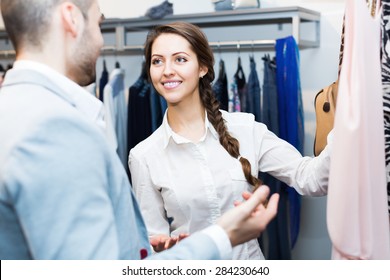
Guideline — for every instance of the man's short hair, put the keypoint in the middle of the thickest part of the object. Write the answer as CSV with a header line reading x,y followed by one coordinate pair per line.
x,y
27,22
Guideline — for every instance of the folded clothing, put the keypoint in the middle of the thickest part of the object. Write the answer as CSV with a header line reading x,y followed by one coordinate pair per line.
x,y
160,11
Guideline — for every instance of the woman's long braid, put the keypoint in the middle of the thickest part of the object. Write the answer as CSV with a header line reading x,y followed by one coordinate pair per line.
x,y
231,144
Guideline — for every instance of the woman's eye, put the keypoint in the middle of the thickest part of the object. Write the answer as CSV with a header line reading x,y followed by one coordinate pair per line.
x,y
181,59
156,61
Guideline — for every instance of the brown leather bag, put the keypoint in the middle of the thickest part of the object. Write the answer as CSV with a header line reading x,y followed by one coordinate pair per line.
x,y
325,106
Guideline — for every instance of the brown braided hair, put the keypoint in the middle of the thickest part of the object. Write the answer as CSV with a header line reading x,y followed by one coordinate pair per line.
x,y
199,44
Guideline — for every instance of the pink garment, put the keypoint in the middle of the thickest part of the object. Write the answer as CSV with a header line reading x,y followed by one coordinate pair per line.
x,y
357,217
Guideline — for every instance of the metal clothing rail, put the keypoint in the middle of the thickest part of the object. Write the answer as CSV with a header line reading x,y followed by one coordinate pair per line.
x,y
217,46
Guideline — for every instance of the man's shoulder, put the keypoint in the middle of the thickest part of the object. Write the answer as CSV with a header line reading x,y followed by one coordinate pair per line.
x,y
25,121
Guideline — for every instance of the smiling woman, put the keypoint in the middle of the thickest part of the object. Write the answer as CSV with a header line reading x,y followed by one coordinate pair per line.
x,y
196,165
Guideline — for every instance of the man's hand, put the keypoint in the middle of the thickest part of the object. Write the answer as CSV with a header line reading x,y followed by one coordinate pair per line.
x,y
249,218
162,242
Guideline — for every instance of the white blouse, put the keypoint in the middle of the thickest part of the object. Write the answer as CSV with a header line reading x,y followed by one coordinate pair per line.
x,y
183,187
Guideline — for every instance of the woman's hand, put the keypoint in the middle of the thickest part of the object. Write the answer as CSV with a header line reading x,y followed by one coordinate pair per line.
x,y
162,242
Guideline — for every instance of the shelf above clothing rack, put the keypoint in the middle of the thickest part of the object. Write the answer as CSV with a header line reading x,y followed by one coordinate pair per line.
x,y
295,17
121,33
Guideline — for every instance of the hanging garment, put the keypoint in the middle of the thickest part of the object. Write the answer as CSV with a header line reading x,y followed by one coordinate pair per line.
x,y
156,110
103,81
385,49
220,87
161,10
291,125
139,111
116,112
234,98
357,217
239,77
270,111
253,102
275,241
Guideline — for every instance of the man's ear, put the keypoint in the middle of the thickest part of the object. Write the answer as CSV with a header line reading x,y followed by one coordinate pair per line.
x,y
70,16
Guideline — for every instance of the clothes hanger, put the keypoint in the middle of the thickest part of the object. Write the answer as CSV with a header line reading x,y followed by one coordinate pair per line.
x,y
253,50
219,49
144,73
272,62
239,67
117,64
104,65
239,51
222,73
240,72
252,56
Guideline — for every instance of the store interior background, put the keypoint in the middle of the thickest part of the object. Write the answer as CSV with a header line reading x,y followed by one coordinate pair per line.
x,y
318,67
